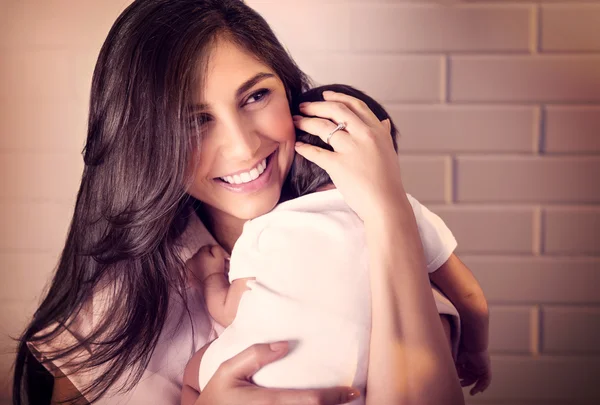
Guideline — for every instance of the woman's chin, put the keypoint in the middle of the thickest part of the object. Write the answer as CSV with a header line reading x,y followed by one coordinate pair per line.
x,y
256,209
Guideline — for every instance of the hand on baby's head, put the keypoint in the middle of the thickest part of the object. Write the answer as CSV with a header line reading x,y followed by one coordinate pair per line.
x,y
209,259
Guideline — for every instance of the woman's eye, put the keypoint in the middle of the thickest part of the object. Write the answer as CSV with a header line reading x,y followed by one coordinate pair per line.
x,y
200,119
258,96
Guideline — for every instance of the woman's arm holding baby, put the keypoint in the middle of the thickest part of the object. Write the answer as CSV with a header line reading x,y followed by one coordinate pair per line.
x,y
405,321
222,298
231,383
409,358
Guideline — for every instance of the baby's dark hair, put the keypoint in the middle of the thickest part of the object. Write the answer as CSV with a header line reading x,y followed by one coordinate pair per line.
x,y
305,176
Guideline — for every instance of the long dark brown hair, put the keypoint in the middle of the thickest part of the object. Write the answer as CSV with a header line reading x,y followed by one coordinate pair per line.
x,y
132,203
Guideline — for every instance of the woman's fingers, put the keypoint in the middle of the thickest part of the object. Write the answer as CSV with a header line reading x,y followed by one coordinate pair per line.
x,y
322,128
246,363
336,112
319,156
324,396
340,107
358,107
232,384
387,124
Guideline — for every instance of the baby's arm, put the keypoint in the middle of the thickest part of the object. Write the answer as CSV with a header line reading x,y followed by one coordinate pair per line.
x,y
454,278
473,362
458,283
221,297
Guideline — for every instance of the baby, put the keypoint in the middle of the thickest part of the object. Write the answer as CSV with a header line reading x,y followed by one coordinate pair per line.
x,y
300,273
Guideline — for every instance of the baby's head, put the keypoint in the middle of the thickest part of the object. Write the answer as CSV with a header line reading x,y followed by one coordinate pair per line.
x,y
305,176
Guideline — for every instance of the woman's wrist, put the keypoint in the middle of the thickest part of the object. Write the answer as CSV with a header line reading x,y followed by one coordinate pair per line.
x,y
392,210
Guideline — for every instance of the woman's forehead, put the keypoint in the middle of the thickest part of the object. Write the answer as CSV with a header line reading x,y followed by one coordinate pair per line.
x,y
228,70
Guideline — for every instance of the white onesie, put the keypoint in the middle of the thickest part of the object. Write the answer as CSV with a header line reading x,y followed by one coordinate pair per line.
x,y
310,261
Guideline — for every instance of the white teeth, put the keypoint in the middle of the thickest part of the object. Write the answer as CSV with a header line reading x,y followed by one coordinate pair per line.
x,y
247,176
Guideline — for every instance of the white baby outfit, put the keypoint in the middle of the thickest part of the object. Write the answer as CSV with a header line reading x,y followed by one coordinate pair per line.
x,y
310,261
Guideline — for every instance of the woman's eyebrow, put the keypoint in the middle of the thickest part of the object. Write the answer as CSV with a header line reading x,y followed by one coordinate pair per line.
x,y
247,85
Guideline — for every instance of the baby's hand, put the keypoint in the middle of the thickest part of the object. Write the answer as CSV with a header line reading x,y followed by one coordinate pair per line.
x,y
209,260
474,367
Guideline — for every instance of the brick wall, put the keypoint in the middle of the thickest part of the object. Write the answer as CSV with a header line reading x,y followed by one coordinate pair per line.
x,y
498,105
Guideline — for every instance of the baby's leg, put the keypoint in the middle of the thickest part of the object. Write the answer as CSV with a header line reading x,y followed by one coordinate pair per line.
x,y
191,388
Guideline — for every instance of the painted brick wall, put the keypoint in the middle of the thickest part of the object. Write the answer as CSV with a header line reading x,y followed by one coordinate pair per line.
x,y
498,105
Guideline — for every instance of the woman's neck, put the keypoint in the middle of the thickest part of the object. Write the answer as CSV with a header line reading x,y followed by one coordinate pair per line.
x,y
225,228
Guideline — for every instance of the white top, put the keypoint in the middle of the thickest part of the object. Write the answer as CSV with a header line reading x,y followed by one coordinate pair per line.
x,y
162,380
310,260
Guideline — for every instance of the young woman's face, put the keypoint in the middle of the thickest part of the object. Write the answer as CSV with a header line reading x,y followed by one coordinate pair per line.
x,y
249,135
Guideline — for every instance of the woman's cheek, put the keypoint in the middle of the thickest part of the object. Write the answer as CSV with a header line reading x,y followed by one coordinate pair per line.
x,y
278,121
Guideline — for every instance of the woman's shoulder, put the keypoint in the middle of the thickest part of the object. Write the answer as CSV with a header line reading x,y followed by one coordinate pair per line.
x,y
182,335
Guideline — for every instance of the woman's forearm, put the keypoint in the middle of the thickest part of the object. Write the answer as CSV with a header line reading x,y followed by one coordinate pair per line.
x,y
409,358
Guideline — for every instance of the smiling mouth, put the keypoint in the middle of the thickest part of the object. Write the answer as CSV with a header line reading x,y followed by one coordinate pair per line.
x,y
248,176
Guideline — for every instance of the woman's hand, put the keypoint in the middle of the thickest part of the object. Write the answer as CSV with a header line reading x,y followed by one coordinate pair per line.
x,y
364,165
231,385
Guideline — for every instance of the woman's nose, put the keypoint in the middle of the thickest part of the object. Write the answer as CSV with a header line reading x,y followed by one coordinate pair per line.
x,y
241,142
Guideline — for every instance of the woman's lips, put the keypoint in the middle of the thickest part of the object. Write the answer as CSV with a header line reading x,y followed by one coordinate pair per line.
x,y
256,184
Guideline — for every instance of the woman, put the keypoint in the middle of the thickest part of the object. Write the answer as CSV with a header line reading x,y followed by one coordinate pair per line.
x,y
186,92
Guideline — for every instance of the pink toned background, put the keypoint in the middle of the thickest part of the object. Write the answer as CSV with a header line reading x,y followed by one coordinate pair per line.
x,y
498,103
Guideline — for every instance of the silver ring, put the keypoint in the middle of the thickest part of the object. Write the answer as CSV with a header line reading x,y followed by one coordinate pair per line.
x,y
340,126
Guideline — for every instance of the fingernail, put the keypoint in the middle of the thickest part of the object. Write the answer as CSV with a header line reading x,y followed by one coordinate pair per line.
x,y
302,105
296,117
299,143
278,346
328,93
354,394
